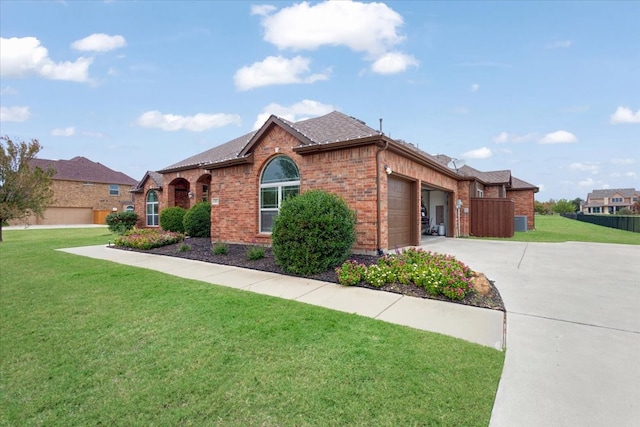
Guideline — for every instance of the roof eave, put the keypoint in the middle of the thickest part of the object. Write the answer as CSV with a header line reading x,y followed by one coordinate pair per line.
x,y
337,145
246,160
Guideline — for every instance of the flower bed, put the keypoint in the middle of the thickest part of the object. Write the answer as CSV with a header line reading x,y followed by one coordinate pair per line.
x,y
147,238
437,274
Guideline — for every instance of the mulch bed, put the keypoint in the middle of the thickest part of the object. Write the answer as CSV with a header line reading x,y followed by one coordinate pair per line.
x,y
200,250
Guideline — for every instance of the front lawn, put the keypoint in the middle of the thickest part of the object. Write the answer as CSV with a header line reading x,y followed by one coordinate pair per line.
x,y
88,342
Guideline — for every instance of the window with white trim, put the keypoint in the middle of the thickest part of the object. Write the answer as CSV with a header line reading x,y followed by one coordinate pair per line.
x,y
280,180
114,190
152,208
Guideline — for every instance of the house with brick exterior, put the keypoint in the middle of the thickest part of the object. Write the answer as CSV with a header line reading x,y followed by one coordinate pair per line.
x,y
84,192
397,191
610,201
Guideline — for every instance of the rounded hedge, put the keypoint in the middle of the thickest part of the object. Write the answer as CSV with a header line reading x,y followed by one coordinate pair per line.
x,y
121,222
171,219
313,233
197,220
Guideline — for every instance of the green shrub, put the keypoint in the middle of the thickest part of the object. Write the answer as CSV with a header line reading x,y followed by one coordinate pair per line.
x,y
197,220
147,238
255,253
438,274
220,248
121,222
351,273
171,219
184,248
312,233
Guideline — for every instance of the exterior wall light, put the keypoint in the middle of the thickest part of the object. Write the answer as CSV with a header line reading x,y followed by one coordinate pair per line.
x,y
387,169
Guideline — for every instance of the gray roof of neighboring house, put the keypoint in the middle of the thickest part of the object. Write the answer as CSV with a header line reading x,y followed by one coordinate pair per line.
x,y
153,176
624,192
332,127
82,169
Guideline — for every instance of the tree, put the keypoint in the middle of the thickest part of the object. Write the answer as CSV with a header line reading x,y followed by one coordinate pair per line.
x,y
564,206
577,202
24,190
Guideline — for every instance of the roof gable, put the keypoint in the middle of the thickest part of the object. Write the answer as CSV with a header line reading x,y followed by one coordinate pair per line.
x,y
82,169
330,128
156,179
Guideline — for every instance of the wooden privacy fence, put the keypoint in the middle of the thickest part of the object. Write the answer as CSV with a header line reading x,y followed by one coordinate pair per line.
x,y
492,217
100,216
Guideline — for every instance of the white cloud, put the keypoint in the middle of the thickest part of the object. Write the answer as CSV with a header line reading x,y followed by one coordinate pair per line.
x,y
22,57
8,90
587,183
630,174
14,114
623,161
363,27
504,137
70,131
625,115
196,123
298,111
559,137
370,28
276,70
480,153
559,44
99,42
263,9
393,62
592,167
475,87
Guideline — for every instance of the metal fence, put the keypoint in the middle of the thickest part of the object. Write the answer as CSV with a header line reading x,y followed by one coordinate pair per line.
x,y
621,222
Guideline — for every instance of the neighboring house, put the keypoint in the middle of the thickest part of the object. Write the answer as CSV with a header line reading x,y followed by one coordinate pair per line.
x,y
84,192
610,201
389,183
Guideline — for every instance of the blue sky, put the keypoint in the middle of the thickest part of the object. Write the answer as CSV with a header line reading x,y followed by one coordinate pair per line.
x,y
549,90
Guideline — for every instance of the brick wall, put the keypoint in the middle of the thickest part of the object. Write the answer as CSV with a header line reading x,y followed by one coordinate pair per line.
x,y
350,173
524,205
95,195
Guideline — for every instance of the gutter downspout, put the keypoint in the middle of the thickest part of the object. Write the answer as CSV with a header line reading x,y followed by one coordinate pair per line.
x,y
379,230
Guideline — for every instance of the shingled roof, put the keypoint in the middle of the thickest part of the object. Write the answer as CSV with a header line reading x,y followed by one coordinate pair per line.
x,y
492,177
155,177
330,128
624,192
82,169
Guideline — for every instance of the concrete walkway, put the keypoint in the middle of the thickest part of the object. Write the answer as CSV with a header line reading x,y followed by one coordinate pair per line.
x,y
573,330
477,325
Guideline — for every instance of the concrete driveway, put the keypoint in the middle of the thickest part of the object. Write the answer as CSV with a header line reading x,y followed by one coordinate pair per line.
x,y
573,330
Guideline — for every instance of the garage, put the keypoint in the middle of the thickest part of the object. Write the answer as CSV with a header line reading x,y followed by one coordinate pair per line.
x,y
400,217
60,216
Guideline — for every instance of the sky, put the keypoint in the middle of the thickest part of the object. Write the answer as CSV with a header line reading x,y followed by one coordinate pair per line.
x,y
548,90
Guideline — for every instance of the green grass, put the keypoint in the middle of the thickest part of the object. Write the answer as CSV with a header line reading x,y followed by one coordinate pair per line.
x,y
555,228
88,342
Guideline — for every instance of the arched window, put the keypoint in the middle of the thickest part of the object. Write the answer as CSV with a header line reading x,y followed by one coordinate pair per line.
x,y
152,208
280,179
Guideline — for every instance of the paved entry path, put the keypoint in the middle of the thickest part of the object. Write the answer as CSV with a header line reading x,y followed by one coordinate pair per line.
x,y
573,330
